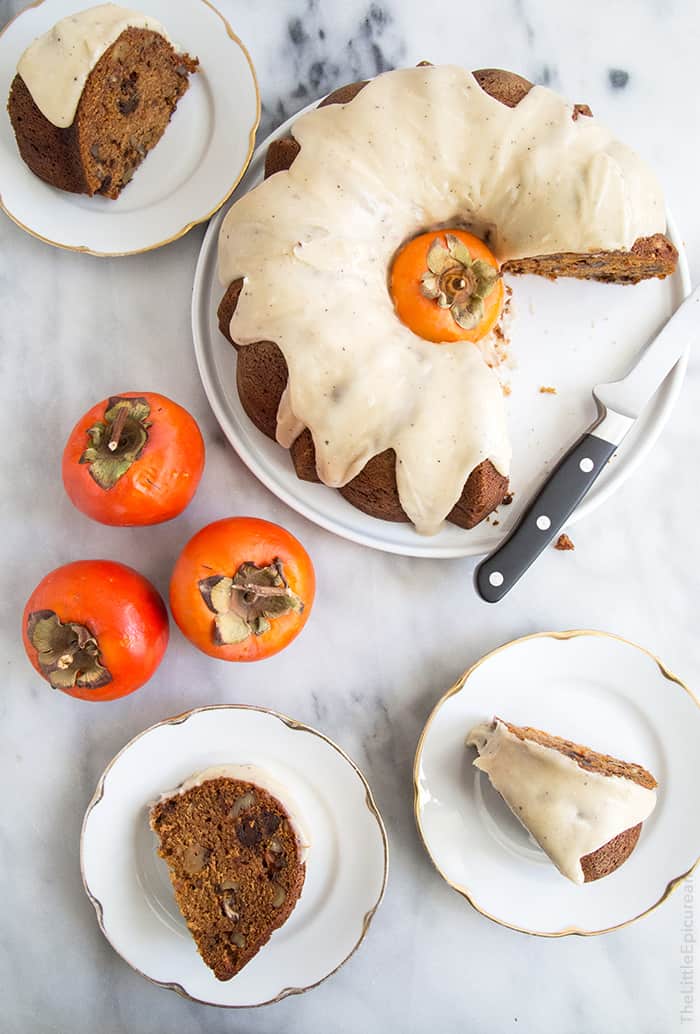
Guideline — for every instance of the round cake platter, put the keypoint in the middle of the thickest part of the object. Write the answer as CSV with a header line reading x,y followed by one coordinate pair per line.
x,y
566,335
593,688
188,175
346,867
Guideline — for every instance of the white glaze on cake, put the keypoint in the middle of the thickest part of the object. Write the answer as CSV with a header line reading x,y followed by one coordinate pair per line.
x,y
570,811
258,777
416,149
56,66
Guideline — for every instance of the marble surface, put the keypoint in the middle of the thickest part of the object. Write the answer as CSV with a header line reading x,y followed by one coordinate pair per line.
x,y
372,662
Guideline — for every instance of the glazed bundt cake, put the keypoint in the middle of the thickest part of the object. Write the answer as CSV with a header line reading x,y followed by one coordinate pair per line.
x,y
93,96
405,428
236,855
584,809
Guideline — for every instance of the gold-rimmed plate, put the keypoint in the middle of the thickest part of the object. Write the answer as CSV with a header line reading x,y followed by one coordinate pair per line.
x,y
183,181
346,866
590,687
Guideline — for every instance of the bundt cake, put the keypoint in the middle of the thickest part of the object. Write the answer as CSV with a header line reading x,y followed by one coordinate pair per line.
x,y
93,96
584,809
236,855
328,364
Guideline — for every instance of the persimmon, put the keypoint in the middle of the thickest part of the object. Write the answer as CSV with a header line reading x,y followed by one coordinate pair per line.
x,y
446,286
95,629
242,589
133,459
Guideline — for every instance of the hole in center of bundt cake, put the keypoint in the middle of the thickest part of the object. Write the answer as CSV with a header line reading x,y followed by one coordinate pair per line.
x,y
446,286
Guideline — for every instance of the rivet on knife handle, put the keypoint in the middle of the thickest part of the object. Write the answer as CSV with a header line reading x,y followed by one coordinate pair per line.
x,y
544,517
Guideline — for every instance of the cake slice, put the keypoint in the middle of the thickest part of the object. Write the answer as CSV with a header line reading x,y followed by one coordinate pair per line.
x,y
236,856
93,96
584,809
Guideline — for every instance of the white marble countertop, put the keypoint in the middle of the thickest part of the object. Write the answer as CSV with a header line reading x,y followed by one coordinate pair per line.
x,y
76,329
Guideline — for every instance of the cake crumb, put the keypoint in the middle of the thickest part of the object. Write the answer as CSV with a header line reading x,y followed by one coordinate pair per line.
x,y
505,389
507,499
564,543
547,390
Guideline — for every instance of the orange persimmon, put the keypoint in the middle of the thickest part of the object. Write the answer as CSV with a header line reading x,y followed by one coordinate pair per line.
x,y
446,286
133,459
95,629
242,589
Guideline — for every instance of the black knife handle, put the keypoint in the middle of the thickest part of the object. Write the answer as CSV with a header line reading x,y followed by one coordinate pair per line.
x,y
559,497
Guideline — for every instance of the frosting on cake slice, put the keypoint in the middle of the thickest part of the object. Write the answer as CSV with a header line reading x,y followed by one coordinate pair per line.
x,y
56,66
572,800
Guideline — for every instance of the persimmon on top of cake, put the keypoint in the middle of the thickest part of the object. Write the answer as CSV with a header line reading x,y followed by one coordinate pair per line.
x,y
94,95
363,277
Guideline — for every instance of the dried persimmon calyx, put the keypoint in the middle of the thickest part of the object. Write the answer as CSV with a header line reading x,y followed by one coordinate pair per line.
x,y
456,281
117,441
247,603
68,653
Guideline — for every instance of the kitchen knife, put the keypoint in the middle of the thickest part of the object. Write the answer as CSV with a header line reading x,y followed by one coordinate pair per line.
x,y
619,404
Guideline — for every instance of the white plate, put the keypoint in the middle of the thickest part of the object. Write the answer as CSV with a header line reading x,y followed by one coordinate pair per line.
x,y
592,688
346,868
195,167
569,334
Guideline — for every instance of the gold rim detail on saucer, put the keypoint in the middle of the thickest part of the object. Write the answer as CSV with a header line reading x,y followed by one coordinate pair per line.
x,y
456,688
82,249
297,727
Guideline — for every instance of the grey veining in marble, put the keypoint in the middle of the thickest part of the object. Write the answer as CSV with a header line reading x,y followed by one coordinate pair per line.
x,y
75,329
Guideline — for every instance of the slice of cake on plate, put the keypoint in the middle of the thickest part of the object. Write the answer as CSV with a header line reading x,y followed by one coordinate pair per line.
x,y
235,849
584,809
94,95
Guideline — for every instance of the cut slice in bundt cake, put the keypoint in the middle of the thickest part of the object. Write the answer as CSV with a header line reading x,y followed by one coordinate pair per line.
x,y
328,363
93,96
584,809
236,855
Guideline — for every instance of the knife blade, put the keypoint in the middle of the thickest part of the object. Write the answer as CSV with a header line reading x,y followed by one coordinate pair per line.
x,y
619,404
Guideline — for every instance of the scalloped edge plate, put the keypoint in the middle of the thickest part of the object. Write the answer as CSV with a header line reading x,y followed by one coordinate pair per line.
x,y
591,687
346,867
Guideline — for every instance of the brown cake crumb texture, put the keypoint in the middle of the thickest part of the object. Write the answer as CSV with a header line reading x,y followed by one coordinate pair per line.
x,y
234,864
262,369
611,855
127,102
564,543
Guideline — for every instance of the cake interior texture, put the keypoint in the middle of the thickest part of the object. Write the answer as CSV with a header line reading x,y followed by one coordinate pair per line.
x,y
235,864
